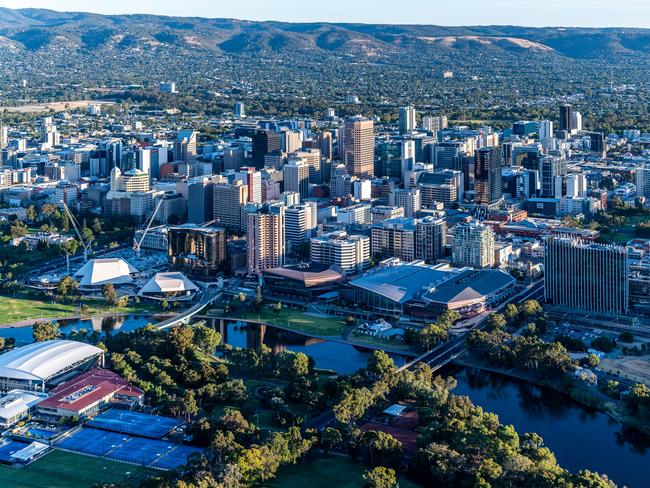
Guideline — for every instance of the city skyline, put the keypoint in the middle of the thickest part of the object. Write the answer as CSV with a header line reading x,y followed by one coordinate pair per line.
x,y
580,13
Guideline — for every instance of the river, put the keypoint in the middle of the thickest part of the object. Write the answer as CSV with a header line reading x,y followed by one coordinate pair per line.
x,y
580,437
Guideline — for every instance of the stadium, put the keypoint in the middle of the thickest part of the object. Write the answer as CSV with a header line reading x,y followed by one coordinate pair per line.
x,y
36,366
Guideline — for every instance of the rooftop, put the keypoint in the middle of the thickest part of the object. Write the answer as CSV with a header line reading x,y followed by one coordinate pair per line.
x,y
43,360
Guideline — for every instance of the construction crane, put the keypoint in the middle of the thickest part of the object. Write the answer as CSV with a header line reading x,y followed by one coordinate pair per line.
x,y
86,246
137,243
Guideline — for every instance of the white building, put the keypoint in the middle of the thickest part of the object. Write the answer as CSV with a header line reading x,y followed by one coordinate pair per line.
x,y
350,253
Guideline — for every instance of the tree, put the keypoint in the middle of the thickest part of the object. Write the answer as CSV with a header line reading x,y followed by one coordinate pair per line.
x,y
603,344
96,226
67,287
380,365
109,294
530,308
206,339
497,321
379,477
45,331
181,338
122,302
2,343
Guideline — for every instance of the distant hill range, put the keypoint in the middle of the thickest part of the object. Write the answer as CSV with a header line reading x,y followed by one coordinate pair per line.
x,y
39,29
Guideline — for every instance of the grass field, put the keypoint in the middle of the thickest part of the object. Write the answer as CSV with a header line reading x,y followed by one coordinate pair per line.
x,y
60,469
14,310
28,306
325,473
297,321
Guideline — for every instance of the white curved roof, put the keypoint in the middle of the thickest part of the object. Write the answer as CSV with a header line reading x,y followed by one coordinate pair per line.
x,y
108,270
168,283
43,360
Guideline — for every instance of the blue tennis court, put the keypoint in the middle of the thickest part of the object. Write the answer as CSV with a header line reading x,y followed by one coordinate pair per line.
x,y
92,441
175,458
140,424
6,450
140,451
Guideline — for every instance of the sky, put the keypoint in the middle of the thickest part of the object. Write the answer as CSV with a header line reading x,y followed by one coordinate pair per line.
x,y
588,13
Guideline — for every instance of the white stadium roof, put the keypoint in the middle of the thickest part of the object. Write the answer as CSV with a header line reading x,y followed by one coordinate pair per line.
x,y
168,283
98,272
44,360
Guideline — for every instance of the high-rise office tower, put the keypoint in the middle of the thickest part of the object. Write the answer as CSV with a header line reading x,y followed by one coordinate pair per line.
x,y
324,139
643,181
239,109
291,140
200,200
252,179
311,157
199,252
296,177
577,121
430,238
566,118
185,146
447,155
545,130
446,186
586,275
389,160
265,142
265,238
473,245
359,146
406,119
228,203
408,161
576,185
300,221
552,168
408,199
487,176
598,145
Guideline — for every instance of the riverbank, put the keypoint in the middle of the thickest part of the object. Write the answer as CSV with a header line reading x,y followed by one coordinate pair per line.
x,y
400,351
586,397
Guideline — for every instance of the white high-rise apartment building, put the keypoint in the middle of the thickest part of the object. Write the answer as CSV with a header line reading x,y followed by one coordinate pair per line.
x,y
265,238
576,185
545,130
300,221
409,200
473,245
406,119
350,253
408,160
643,181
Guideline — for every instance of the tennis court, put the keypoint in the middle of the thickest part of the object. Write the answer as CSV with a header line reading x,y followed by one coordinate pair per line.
x,y
92,441
175,458
6,450
128,449
140,451
140,424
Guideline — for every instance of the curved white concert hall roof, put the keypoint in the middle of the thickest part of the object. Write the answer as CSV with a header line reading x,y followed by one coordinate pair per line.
x,y
44,360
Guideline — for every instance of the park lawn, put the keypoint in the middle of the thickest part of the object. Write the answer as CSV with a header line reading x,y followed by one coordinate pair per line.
x,y
60,469
338,472
29,306
14,310
363,339
297,321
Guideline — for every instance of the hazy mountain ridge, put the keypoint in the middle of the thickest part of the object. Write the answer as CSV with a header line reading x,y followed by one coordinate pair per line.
x,y
35,29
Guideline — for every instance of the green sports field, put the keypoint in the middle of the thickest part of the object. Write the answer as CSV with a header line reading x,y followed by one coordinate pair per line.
x,y
60,469
333,472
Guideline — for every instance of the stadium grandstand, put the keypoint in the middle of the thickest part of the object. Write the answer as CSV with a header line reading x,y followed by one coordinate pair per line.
x,y
36,366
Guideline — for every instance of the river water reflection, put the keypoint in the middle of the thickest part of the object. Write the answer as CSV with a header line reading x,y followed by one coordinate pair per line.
x,y
580,437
